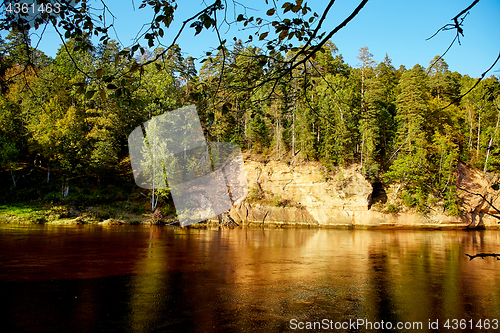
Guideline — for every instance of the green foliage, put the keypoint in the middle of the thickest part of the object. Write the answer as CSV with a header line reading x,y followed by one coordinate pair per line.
x,y
168,210
411,166
392,209
276,201
452,204
409,200
72,115
32,213
416,198
254,194
258,133
8,153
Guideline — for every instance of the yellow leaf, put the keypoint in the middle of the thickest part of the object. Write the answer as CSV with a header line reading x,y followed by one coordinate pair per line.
x,y
283,34
102,93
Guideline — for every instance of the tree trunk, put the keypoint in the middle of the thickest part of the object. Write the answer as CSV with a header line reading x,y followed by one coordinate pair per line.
x,y
470,135
491,142
65,188
13,178
362,146
293,132
478,135
440,164
362,110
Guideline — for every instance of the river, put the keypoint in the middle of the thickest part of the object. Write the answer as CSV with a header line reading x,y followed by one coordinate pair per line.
x,y
168,279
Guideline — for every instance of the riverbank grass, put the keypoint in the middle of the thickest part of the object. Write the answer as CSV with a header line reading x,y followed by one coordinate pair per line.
x,y
22,212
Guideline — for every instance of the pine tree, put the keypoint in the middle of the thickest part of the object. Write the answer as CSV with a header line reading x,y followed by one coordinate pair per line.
x,y
441,81
410,166
258,133
338,97
383,100
368,123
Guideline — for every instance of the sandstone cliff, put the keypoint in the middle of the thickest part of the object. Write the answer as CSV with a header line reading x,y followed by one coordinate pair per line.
x,y
478,198
307,194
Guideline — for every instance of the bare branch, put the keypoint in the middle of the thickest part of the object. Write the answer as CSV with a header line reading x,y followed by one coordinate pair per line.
x,y
484,198
465,10
69,54
174,41
323,42
223,49
441,56
457,26
320,23
458,99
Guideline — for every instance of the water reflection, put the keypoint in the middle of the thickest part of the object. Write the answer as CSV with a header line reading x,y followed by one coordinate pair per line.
x,y
142,279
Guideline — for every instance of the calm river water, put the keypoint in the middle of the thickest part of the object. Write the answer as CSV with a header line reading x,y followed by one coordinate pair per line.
x,y
166,279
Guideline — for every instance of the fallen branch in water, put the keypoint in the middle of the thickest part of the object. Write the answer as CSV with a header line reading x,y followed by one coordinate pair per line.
x,y
483,255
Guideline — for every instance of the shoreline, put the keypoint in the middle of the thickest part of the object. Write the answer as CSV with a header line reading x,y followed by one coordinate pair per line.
x,y
16,220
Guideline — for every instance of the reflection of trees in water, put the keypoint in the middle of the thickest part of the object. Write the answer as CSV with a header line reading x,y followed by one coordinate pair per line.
x,y
269,276
424,275
381,292
478,241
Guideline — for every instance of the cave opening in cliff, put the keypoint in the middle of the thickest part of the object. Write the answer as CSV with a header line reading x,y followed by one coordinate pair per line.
x,y
378,194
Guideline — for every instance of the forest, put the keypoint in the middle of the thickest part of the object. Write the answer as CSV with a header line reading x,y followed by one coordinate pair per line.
x,y
63,133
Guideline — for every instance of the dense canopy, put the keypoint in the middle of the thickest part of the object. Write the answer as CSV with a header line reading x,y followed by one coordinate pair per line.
x,y
68,118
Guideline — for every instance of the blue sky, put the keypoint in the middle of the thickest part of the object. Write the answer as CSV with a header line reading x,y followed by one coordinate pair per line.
x,y
396,27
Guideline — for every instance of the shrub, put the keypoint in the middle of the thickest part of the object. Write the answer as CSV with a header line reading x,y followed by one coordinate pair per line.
x,y
390,208
276,202
168,210
409,200
254,194
451,204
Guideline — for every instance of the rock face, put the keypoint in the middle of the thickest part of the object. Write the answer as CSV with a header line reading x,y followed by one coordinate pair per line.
x,y
302,194
478,199
306,194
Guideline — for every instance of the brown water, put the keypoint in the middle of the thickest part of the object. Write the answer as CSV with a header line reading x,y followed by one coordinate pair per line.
x,y
165,279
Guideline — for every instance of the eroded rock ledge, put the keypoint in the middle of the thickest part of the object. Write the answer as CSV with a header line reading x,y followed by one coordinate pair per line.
x,y
306,194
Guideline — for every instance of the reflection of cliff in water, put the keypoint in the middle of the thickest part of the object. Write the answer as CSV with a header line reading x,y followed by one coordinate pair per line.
x,y
273,275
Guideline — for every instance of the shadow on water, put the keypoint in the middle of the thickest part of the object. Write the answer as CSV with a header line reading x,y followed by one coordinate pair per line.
x,y
107,305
